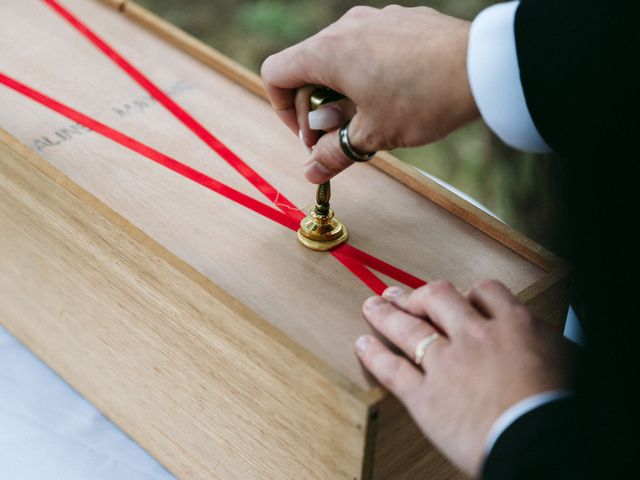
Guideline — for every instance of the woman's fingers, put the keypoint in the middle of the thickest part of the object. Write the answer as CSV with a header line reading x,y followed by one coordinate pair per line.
x,y
393,371
307,135
439,301
293,68
492,298
326,118
401,328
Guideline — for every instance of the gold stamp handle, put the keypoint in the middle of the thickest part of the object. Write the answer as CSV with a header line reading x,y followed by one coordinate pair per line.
x,y
318,98
320,230
322,96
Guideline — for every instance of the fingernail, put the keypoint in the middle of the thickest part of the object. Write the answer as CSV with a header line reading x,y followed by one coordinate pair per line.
x,y
362,343
373,302
325,118
392,292
301,136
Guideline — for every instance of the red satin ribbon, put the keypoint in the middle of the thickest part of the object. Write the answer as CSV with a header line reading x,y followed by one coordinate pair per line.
x,y
289,216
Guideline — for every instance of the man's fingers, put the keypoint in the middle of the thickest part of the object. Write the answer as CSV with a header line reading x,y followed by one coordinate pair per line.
x,y
393,371
439,301
307,135
297,66
401,328
492,298
287,115
281,89
327,159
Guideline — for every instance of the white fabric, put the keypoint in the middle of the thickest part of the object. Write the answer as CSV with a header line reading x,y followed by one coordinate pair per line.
x,y
49,432
494,76
518,410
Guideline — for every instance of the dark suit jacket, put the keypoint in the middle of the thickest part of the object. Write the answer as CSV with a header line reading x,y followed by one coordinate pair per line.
x,y
577,64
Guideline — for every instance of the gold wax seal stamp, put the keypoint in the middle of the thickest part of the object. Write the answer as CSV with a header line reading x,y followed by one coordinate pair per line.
x,y
320,230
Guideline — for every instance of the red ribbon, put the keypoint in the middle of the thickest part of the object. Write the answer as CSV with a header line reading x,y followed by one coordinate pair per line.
x,y
289,216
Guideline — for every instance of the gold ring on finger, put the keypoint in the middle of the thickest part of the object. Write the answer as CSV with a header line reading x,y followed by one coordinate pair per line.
x,y
421,347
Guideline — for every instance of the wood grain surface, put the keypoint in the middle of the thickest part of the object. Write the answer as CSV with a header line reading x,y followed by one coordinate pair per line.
x,y
309,296
198,379
204,331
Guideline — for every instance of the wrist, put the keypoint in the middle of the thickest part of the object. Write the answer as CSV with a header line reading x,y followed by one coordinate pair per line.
x,y
519,409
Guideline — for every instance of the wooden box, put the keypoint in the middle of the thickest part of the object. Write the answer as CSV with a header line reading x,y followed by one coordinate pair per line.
x,y
205,331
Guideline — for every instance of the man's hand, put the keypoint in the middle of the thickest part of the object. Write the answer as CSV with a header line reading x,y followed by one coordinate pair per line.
x,y
491,353
403,69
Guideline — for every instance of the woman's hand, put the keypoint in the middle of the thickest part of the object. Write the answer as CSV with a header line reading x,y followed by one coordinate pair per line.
x,y
491,353
403,69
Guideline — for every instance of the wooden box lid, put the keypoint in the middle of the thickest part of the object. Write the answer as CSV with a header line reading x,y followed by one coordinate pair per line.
x,y
310,296
206,331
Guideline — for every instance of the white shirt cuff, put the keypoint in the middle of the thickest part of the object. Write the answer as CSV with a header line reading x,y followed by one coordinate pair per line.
x,y
516,411
494,76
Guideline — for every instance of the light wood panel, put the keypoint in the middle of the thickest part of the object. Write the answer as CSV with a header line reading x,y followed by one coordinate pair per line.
x,y
257,262
402,452
197,378
204,331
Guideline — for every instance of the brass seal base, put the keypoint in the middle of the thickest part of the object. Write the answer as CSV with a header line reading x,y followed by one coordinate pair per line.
x,y
322,232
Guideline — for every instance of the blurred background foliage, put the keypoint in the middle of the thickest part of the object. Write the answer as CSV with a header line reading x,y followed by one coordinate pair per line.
x,y
522,189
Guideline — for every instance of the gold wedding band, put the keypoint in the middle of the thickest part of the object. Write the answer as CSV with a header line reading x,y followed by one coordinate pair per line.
x,y
422,345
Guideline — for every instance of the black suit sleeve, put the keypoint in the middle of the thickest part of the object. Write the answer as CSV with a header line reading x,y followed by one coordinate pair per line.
x,y
542,444
578,63
576,59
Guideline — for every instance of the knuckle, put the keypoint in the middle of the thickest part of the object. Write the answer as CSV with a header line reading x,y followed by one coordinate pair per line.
x,y
394,136
326,38
439,287
421,290
479,331
398,327
359,11
415,297
383,316
389,316
266,68
488,284
366,140
393,6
